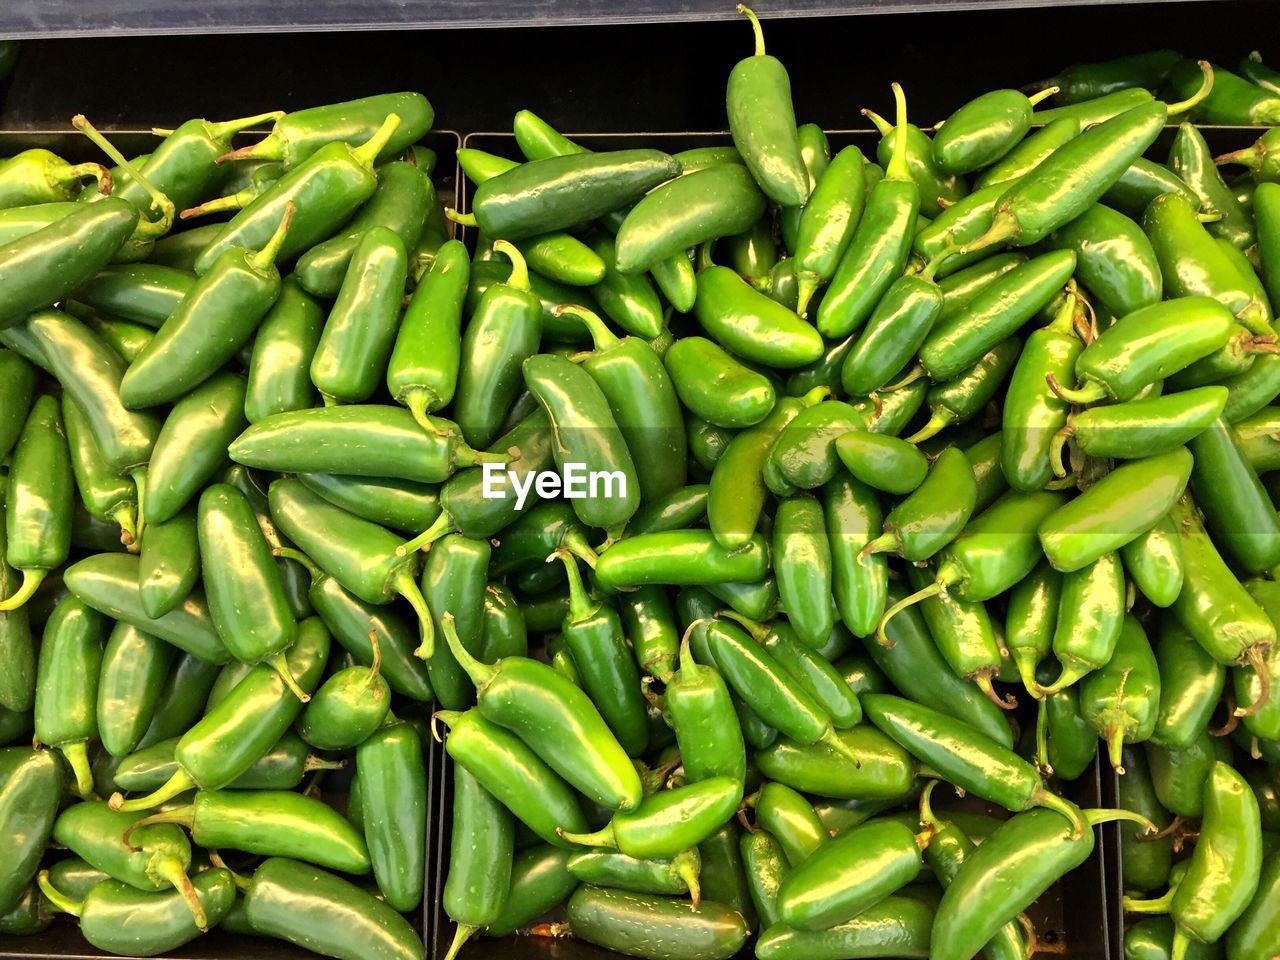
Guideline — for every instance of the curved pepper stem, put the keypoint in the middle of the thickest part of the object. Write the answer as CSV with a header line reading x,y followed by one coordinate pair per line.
x,y
479,672
79,171
757,629
1041,95
1206,88
184,816
77,757
688,867
519,268
1025,660
940,583
242,882
1091,392
1080,822
314,763
233,201
368,151
280,664
265,259
407,587
984,679
898,168
755,27
1096,817
147,229
939,420
461,934
601,335
139,477
375,668
1160,904
1056,447
600,838
581,606
57,899
223,129
297,556
420,401
462,219
447,717
126,518
832,740
688,666
881,124
1071,673
927,816
442,527
1042,738
180,782
32,577
172,871
1256,658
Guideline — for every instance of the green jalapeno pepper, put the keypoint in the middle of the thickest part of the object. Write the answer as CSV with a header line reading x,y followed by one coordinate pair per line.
x,y
1142,183
358,335
878,250
577,742
67,678
802,564
898,924
214,320
706,728
886,772
1084,81
850,874
30,916
107,496
681,557
393,796
325,188
723,878
984,457
1191,685
1066,744
144,293
453,582
125,338
1145,862
966,757
1140,428
1008,872
423,370
1029,153
32,783
651,926
1234,100
567,191
1255,932
480,858
621,872
859,583
681,508
762,121
963,398
17,646
191,446
649,625
39,500
938,189
791,821
1121,699
985,129
151,859
1114,259
1264,721
587,434
715,386
349,707
404,505
765,868
1236,507
1213,606
39,176
962,222
1226,863
324,440
719,201
815,154
19,385
827,223
1192,161
997,311
1090,617
134,666
668,821
540,880
752,325
280,768
1125,503
181,699
897,328
933,515
316,910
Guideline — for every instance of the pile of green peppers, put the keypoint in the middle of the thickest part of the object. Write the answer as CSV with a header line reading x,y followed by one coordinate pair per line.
x,y
944,473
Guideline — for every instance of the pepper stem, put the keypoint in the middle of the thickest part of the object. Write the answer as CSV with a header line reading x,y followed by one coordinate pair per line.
x,y
883,125
447,717
419,400
1056,447
408,588
466,456
462,219
140,487
376,667
479,672
233,201
180,782
280,664
898,168
242,882
910,377
575,541
687,664
32,577
601,335
688,866
580,605
757,629
1091,392
314,762
1246,157
885,543
1041,95
1255,657
806,286
77,756
1181,944
443,526
519,268
462,932
927,817
755,27
126,518
983,679
297,556
939,420
832,740
171,870
265,258
1004,226
816,396
1206,88
1160,904
1041,797
79,171
229,128
1069,675
159,201
924,593
601,838
184,816
368,151
1042,739
1025,660
1114,739
56,897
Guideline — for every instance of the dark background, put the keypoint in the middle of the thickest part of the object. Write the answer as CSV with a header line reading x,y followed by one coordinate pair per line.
x,y
665,76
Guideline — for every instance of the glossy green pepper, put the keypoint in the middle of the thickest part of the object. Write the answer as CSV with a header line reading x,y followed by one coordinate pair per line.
x,y
715,386
827,223
1192,161
134,666
654,927
1236,507
32,783
933,515
702,714
106,495
1191,685
1121,699
886,772
682,557
802,564
392,771
895,331
985,129
859,583
938,190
